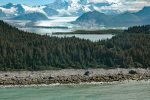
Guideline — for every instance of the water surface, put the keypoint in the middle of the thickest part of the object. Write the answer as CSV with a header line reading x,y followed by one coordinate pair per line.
x,y
92,37
56,22
121,91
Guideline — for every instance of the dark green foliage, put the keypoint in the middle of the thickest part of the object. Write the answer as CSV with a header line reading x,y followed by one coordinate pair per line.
x,y
108,31
139,29
28,51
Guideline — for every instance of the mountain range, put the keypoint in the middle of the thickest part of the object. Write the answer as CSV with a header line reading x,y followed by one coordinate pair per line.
x,y
95,18
2,14
56,8
35,16
89,15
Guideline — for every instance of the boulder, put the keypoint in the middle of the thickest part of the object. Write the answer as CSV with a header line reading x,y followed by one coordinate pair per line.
x,y
132,72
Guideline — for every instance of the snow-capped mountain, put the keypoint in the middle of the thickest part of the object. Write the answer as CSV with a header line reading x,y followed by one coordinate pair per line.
x,y
78,7
71,7
50,11
57,8
12,10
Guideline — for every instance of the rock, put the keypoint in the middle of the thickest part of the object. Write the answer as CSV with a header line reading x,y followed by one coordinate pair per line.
x,y
132,72
6,75
51,78
87,73
87,76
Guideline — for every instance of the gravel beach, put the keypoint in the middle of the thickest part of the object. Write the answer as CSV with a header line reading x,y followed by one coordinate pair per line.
x,y
76,76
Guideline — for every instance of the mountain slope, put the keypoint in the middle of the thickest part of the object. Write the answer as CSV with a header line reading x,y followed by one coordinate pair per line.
x,y
19,9
8,6
13,10
58,7
2,14
31,16
126,19
144,14
50,11
121,20
79,8
93,17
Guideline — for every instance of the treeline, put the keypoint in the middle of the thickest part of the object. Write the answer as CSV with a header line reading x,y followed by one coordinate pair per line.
x,y
139,29
28,51
108,31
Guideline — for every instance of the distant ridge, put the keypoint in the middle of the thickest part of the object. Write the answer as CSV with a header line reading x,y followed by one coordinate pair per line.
x,y
31,16
59,8
2,14
124,19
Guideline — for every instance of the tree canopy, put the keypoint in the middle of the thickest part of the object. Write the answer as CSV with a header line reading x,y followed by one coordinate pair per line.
x,y
21,50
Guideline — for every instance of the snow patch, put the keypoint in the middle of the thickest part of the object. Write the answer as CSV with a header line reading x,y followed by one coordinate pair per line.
x,y
8,11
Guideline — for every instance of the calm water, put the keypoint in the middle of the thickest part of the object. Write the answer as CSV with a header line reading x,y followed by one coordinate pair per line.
x,y
92,37
122,91
56,21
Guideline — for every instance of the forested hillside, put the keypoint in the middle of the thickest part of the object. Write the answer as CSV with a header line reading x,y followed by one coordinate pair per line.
x,y
139,29
28,51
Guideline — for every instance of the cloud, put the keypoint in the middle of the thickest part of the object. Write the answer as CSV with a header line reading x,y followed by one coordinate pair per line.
x,y
122,5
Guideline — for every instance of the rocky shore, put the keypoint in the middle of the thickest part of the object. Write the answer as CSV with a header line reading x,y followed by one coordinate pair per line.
x,y
72,76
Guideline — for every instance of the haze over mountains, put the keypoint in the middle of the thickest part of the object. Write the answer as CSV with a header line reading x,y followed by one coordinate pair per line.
x,y
35,16
88,11
61,8
95,18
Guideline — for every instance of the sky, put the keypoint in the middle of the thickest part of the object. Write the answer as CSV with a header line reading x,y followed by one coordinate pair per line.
x,y
28,2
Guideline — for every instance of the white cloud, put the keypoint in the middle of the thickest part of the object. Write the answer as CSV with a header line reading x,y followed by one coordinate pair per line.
x,y
122,5
115,6
96,1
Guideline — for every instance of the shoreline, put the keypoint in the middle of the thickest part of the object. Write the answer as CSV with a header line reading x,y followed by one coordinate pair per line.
x,y
72,84
71,76
86,32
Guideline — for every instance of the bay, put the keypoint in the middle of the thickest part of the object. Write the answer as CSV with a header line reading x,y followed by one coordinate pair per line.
x,y
117,91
